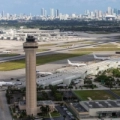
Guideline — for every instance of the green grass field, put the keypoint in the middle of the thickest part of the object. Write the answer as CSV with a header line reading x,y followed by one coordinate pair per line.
x,y
55,114
45,45
93,94
79,41
8,55
116,92
65,45
107,45
42,50
69,44
18,64
96,49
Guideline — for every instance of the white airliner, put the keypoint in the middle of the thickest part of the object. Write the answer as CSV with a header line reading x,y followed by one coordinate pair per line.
x,y
2,83
44,73
101,58
76,64
6,51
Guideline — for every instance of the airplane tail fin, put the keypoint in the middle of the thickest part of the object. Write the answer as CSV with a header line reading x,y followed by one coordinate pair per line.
x,y
69,62
94,55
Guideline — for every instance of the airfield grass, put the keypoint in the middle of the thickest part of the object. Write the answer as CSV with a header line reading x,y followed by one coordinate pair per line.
x,y
116,92
108,45
8,55
45,45
55,114
101,32
93,94
68,44
80,41
65,45
19,64
42,50
95,49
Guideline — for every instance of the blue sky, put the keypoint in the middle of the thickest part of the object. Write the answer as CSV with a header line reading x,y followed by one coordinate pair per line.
x,y
65,6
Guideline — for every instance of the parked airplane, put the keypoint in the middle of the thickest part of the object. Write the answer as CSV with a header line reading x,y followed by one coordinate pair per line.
x,y
6,51
2,83
44,73
101,58
76,64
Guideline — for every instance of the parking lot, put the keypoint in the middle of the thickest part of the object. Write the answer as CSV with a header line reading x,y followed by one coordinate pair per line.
x,y
64,111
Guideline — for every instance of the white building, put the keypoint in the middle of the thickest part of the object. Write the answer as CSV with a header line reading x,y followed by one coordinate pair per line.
x,y
81,72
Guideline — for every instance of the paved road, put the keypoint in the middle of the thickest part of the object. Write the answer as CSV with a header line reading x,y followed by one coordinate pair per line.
x,y
6,75
4,110
47,67
62,112
53,52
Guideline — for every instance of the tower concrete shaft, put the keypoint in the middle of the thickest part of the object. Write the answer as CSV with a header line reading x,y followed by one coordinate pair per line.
x,y
30,48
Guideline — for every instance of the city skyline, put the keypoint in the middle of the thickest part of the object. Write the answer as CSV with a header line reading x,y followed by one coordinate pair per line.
x,y
65,6
56,12
52,14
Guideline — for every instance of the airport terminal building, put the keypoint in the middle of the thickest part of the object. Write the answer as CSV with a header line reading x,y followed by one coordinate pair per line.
x,y
66,77
21,34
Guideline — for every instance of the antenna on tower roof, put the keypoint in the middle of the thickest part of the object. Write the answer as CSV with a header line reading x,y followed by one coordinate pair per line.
x,y
30,38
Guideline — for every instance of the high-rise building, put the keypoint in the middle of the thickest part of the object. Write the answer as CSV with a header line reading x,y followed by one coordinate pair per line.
x,y
30,47
2,13
87,12
7,15
51,12
115,11
118,12
99,14
57,13
92,14
96,14
109,11
42,12
45,14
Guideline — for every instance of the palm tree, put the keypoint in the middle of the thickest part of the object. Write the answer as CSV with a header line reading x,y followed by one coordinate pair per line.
x,y
47,109
43,109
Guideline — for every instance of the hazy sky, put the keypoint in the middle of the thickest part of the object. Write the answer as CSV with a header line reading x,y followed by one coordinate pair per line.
x,y
65,6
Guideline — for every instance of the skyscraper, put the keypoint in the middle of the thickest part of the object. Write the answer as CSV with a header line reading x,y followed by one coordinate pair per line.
x,y
109,11
115,11
30,47
96,13
2,13
100,14
57,13
45,13
42,12
51,12
118,12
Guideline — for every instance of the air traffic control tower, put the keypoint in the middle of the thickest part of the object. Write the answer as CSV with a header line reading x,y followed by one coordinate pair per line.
x,y
30,47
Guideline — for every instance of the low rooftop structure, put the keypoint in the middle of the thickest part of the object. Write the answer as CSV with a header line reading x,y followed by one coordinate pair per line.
x,y
22,105
100,108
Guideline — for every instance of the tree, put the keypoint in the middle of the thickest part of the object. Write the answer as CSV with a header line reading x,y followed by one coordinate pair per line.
x,y
58,96
64,116
45,109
